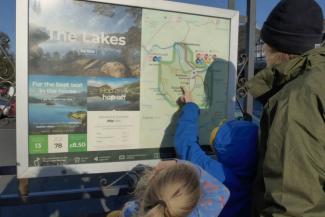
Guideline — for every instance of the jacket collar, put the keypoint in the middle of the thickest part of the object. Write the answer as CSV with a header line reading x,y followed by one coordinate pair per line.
x,y
271,79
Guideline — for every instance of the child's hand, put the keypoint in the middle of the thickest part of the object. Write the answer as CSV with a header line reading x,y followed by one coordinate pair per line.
x,y
187,95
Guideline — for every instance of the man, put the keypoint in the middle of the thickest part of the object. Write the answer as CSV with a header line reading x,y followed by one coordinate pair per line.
x,y
291,172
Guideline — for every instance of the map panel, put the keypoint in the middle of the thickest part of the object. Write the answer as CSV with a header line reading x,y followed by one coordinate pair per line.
x,y
181,50
104,80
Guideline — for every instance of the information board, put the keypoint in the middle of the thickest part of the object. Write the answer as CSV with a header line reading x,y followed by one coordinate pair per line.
x,y
98,81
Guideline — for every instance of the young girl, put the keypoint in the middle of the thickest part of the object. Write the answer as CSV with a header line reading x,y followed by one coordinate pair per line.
x,y
177,189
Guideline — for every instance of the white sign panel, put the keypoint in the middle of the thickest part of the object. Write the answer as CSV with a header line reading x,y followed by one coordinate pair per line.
x,y
98,82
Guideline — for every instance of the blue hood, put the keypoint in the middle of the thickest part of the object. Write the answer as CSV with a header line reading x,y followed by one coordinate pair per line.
x,y
235,144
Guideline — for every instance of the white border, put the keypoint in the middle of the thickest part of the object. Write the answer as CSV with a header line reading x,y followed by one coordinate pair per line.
x,y
23,171
22,88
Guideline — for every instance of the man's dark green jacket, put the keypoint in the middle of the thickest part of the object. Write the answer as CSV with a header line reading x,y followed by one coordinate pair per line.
x,y
292,139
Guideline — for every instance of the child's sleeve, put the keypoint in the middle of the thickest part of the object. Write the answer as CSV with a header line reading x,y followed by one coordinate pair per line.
x,y
187,142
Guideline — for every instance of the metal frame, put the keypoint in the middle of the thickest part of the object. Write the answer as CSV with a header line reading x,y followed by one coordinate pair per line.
x,y
251,42
62,195
23,170
231,4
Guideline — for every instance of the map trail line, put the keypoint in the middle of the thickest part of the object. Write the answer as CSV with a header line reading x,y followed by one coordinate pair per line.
x,y
178,47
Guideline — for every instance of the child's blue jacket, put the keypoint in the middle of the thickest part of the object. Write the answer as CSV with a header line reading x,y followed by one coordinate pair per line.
x,y
235,146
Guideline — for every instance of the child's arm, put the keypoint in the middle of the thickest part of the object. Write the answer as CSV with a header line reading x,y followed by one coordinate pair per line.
x,y
186,142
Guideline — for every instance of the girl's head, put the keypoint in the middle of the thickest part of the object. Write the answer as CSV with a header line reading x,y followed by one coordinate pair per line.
x,y
172,190
274,57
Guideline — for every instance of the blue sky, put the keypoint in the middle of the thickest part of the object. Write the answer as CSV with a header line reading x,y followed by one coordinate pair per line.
x,y
263,8
8,20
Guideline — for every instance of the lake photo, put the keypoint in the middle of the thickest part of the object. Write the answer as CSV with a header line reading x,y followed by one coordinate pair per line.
x,y
108,94
57,104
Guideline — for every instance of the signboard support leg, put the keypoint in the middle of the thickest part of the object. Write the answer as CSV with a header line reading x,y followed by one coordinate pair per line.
x,y
23,187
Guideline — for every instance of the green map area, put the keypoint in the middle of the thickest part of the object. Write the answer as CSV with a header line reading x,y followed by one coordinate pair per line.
x,y
177,51
182,71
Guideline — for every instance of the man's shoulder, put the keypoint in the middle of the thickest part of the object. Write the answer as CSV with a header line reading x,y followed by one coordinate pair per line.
x,y
312,81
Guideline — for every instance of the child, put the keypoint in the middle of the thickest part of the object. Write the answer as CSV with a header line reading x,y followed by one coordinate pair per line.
x,y
177,188
235,146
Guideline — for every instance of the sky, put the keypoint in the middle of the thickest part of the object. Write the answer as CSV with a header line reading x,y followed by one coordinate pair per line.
x,y
8,20
263,8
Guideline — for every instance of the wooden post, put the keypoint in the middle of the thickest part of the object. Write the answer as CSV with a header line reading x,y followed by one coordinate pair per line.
x,y
23,187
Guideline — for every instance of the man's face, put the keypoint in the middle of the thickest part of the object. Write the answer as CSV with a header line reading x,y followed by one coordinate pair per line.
x,y
267,51
274,57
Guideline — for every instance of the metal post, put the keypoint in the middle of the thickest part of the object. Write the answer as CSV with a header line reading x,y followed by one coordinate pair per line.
x,y
250,47
231,4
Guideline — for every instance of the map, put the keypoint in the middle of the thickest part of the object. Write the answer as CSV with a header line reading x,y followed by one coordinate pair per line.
x,y
177,51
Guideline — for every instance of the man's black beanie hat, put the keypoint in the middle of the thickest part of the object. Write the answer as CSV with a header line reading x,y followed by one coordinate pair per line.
x,y
294,26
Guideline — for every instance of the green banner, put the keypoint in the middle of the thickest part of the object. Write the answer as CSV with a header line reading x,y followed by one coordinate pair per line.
x,y
38,144
77,142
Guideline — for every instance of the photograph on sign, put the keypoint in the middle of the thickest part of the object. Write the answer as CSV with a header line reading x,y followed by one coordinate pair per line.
x,y
101,80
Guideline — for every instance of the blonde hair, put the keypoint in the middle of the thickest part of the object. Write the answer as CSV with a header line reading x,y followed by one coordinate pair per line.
x,y
172,192
274,57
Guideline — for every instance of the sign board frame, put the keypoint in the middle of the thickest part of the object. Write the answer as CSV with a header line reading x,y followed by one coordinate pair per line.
x,y
22,22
